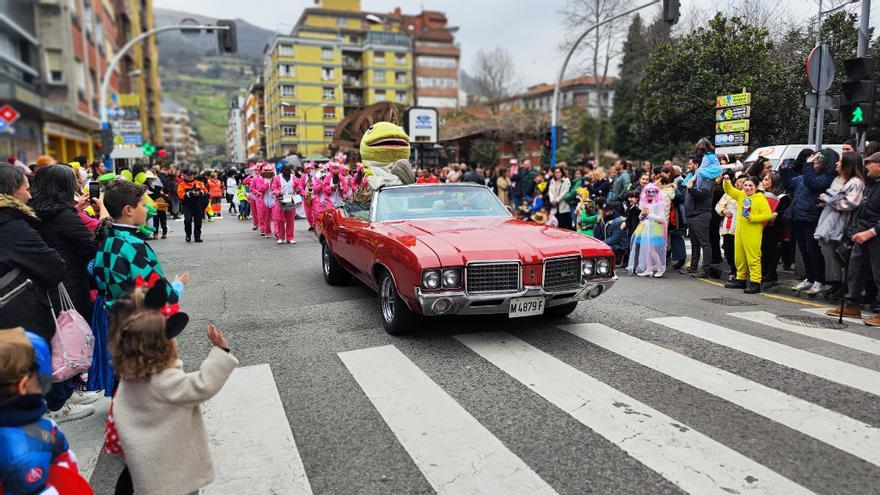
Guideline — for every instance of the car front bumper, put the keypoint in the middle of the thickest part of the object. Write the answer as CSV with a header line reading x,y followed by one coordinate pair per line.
x,y
462,303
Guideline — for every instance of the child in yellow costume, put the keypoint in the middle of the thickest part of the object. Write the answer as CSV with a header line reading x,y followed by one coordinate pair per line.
x,y
753,212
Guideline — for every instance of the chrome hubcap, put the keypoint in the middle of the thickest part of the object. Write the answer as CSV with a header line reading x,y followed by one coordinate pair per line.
x,y
326,259
386,299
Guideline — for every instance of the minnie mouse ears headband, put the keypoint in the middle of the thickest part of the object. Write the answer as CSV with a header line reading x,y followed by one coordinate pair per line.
x,y
157,299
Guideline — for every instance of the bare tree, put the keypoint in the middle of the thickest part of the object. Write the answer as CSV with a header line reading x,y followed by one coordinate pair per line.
x,y
598,51
494,73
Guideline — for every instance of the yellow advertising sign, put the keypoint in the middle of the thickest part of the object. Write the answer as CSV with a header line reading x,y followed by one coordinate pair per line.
x,y
129,100
732,126
733,100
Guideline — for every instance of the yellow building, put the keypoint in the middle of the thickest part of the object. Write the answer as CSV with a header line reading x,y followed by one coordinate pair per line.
x,y
140,66
337,60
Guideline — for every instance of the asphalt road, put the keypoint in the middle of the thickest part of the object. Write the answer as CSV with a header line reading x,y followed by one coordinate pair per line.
x,y
455,409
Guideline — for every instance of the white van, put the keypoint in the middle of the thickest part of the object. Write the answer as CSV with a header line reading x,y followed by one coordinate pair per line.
x,y
776,154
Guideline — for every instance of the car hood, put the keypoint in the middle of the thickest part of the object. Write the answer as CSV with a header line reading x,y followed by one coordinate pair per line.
x,y
459,241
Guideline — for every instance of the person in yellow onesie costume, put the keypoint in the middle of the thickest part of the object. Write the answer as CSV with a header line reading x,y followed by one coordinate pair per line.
x,y
753,212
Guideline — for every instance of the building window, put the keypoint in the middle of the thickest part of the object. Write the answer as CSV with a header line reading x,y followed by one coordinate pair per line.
x,y
327,73
329,93
326,54
287,89
81,79
437,62
400,96
285,50
87,17
288,111
288,130
379,76
341,21
99,33
400,77
53,66
437,82
329,132
381,96
399,58
379,58
285,70
329,112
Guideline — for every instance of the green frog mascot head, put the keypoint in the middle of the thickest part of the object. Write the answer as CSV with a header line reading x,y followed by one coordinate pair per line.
x,y
385,151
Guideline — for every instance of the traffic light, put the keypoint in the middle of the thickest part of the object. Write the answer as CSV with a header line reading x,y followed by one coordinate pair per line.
x,y
548,142
561,136
838,125
148,149
107,139
227,41
671,11
858,94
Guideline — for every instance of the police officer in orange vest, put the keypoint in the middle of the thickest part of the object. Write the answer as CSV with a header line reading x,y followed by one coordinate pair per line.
x,y
192,194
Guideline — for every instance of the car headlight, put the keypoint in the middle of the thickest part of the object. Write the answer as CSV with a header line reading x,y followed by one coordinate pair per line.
x,y
431,279
451,278
587,267
603,266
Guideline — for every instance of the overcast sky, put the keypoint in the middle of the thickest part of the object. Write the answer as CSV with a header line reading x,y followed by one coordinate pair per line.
x,y
529,29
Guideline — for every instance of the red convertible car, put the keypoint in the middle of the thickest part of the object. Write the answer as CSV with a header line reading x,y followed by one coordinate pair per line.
x,y
441,249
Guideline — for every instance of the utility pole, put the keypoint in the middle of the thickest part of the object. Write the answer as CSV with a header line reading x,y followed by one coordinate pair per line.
x,y
812,127
861,51
670,14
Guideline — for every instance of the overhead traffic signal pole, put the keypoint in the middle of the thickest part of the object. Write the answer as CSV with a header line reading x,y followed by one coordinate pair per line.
x,y
670,15
222,28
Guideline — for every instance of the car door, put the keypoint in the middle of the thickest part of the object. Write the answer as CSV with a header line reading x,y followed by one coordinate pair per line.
x,y
349,238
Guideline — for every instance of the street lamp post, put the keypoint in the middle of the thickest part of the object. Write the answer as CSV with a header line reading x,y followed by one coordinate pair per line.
x,y
105,81
554,115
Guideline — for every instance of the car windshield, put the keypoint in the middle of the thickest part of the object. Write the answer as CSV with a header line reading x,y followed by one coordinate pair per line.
x,y
440,201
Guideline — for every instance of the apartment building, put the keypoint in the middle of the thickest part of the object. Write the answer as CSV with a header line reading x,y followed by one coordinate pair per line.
x,y
336,61
581,94
181,140
235,131
255,121
20,80
436,58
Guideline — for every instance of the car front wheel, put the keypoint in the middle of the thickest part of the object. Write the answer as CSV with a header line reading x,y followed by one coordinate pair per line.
x,y
334,273
396,315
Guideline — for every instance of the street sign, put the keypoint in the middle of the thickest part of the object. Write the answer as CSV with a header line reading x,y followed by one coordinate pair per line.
x,y
820,68
422,124
811,100
3,125
124,114
732,126
733,113
732,139
733,100
9,114
732,150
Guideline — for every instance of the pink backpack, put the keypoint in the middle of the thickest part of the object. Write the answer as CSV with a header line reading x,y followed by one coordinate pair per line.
x,y
73,343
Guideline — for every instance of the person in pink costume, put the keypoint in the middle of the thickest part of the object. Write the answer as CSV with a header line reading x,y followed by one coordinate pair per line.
x,y
306,188
260,186
284,211
252,199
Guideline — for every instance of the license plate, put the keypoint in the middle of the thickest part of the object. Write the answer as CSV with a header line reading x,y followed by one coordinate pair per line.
x,y
526,306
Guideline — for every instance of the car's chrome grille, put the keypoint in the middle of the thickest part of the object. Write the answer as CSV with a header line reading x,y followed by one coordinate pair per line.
x,y
493,277
562,273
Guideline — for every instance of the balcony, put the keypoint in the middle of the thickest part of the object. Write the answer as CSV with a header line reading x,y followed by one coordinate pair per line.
x,y
352,82
351,64
351,101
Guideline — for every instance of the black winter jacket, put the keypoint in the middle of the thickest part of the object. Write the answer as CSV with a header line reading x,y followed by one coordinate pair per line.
x,y
22,247
805,190
63,230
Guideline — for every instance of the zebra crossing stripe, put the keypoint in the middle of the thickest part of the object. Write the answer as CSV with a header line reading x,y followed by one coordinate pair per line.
x,y
250,436
687,458
835,429
839,337
450,447
830,369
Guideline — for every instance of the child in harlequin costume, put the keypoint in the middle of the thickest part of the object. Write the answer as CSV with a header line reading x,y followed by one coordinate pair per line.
x,y
284,211
35,457
648,246
124,257
753,212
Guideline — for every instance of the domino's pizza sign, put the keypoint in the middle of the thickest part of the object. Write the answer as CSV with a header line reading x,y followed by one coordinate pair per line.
x,y
422,124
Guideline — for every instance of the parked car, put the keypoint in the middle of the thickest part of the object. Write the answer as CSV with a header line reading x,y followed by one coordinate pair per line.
x,y
778,153
442,249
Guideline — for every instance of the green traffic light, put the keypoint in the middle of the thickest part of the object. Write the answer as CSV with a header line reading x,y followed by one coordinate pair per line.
x,y
857,116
